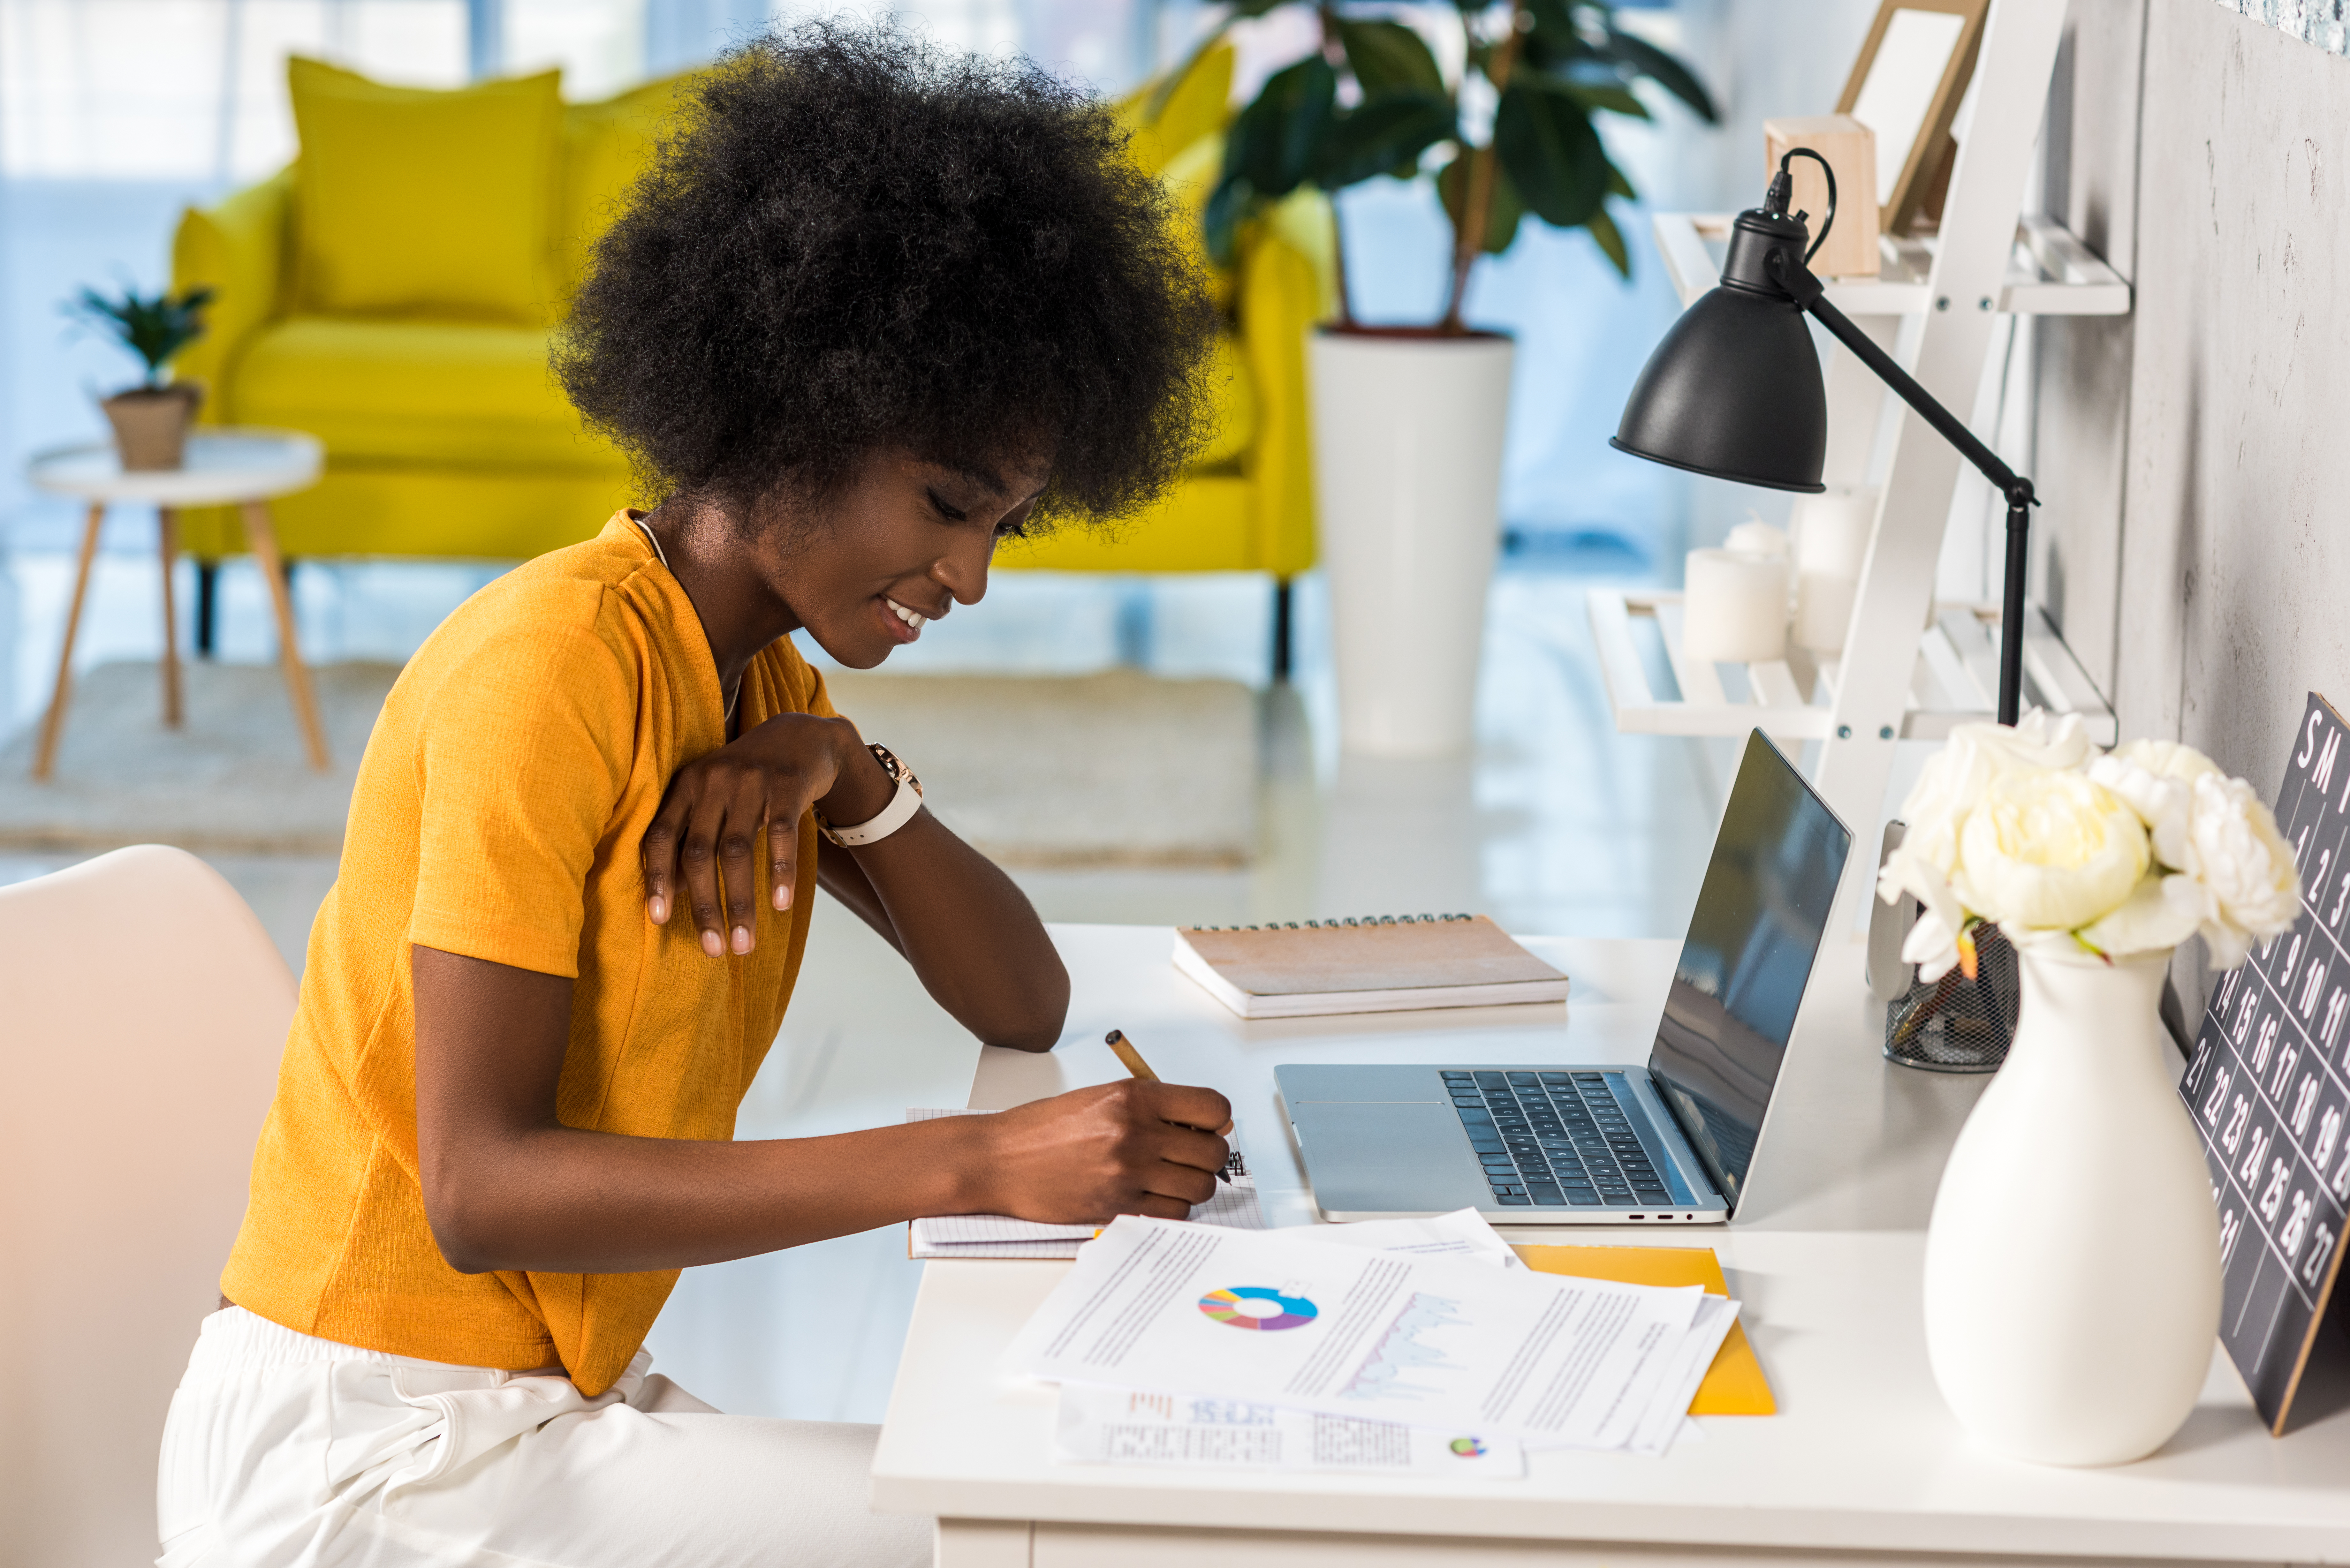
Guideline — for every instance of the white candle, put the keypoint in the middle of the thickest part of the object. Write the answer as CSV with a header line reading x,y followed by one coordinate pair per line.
x,y
1756,538
1832,531
1832,534
1823,610
1734,606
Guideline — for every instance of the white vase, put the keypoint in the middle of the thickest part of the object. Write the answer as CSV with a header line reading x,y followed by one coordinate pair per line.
x,y
1407,475
2072,1263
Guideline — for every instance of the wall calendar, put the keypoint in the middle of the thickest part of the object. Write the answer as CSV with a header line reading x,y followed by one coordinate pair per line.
x,y
2268,1088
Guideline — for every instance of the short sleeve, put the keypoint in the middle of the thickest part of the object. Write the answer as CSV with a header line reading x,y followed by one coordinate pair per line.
x,y
525,751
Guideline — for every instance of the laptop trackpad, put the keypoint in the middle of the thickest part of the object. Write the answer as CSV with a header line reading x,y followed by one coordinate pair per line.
x,y
1386,1158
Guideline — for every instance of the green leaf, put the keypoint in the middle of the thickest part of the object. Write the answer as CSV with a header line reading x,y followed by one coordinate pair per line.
x,y
154,327
1545,141
1644,58
1614,97
1610,240
1383,133
1501,220
1228,206
1275,142
1388,56
1618,185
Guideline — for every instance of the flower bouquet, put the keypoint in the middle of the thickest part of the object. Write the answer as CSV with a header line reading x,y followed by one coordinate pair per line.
x,y
2072,1279
2117,854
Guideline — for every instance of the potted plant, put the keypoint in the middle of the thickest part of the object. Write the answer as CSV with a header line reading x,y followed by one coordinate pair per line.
x,y
1409,420
151,421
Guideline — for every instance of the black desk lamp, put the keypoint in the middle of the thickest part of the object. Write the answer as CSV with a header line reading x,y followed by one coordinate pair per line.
x,y
1734,389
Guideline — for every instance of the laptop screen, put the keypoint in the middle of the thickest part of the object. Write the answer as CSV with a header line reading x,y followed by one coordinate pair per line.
x,y
1757,927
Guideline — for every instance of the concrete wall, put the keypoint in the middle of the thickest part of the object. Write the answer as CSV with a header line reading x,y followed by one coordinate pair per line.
x,y
2194,456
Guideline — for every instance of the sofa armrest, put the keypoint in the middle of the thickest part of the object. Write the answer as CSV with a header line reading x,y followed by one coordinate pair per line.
x,y
238,249
1286,289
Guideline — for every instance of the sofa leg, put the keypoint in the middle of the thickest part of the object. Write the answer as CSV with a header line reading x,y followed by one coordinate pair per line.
x,y
207,601
1281,629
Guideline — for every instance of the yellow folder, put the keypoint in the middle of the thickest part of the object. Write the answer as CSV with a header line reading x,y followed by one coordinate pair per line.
x,y
1734,1385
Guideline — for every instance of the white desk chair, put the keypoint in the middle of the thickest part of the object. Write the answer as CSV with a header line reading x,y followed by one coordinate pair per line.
x,y
142,1010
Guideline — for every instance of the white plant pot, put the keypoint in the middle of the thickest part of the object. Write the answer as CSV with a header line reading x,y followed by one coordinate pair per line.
x,y
2072,1263
1408,472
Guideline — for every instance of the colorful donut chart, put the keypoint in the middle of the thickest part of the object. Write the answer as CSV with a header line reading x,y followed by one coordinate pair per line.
x,y
1255,1306
1468,1447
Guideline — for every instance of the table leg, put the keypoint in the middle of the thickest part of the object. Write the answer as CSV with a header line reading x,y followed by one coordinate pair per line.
x,y
53,722
166,531
263,537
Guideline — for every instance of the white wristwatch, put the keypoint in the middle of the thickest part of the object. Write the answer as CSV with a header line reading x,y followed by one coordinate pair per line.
x,y
896,815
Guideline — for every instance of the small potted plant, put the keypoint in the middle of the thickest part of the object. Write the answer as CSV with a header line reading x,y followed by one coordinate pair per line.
x,y
151,421
1407,420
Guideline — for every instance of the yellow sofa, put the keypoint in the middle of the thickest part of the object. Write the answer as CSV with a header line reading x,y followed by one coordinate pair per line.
x,y
446,436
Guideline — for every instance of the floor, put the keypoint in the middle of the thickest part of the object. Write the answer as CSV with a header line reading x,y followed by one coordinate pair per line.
x,y
1554,824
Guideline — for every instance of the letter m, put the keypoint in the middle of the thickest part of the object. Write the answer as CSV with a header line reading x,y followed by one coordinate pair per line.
x,y
2322,775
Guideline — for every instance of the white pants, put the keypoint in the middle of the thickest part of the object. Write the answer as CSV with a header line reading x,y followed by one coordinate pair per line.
x,y
286,1451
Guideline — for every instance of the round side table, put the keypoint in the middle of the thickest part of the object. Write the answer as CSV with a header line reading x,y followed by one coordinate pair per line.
x,y
226,465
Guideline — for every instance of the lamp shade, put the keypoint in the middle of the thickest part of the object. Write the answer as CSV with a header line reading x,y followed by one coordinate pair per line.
x,y
1734,391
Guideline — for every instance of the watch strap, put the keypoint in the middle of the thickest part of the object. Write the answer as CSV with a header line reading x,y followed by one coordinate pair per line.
x,y
903,804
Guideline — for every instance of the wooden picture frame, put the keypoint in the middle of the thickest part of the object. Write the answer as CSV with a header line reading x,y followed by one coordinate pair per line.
x,y
1916,52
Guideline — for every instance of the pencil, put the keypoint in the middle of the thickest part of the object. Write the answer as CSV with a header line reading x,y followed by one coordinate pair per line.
x,y
1131,1059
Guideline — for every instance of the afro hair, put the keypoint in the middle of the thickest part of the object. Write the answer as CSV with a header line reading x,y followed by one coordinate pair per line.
x,y
853,241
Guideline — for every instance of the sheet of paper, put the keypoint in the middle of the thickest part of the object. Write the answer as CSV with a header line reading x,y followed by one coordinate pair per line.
x,y
1125,1427
1168,1307
1235,1203
1463,1233
1666,1420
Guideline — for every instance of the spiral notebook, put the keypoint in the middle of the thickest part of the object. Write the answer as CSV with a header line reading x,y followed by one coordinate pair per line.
x,y
1384,963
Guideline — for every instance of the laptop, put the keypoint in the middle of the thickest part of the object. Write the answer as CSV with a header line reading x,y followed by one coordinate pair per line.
x,y
1672,1141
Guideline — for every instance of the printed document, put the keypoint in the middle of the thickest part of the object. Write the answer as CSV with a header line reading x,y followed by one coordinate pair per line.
x,y
1127,1427
1435,1340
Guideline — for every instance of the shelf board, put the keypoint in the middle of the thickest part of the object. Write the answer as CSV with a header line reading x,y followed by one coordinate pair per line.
x,y
1955,682
2051,272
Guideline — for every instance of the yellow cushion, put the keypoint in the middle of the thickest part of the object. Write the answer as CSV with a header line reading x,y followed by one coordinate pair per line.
x,y
413,201
1199,104
430,392
605,147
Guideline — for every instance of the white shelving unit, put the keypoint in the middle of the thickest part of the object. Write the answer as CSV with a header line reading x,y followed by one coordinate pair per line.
x,y
1933,306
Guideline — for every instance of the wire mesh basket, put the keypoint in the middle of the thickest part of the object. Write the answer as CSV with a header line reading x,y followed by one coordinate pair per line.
x,y
1955,1024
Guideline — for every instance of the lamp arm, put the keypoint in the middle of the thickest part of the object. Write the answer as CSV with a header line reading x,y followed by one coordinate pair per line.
x,y
1807,293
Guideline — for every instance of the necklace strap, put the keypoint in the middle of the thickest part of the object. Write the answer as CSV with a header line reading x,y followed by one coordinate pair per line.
x,y
662,557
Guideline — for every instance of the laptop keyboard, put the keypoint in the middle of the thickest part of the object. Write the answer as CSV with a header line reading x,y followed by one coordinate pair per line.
x,y
1555,1140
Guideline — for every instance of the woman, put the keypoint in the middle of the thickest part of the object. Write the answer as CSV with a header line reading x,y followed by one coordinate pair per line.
x,y
872,309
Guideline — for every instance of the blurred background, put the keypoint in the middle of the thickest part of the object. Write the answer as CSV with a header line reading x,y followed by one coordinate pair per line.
x,y
117,117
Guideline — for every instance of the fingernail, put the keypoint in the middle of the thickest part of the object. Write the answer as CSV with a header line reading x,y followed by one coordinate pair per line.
x,y
657,908
712,945
781,896
742,939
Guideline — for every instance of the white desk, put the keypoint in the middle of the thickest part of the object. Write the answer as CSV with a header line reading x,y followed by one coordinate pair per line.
x,y
1863,1465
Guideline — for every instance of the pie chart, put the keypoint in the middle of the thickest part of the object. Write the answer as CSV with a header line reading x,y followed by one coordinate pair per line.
x,y
1257,1306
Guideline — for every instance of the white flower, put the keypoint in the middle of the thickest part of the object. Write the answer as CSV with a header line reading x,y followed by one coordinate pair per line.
x,y
1955,780
2053,850
2244,865
2158,779
2160,913
1932,945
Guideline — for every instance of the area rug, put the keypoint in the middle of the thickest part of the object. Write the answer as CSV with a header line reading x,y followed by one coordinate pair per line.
x,y
232,780
1116,769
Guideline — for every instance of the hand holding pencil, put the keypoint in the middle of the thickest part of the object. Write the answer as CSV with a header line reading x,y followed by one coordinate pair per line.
x,y
1132,1060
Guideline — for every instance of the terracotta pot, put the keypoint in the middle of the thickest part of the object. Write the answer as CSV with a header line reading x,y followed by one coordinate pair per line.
x,y
150,424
